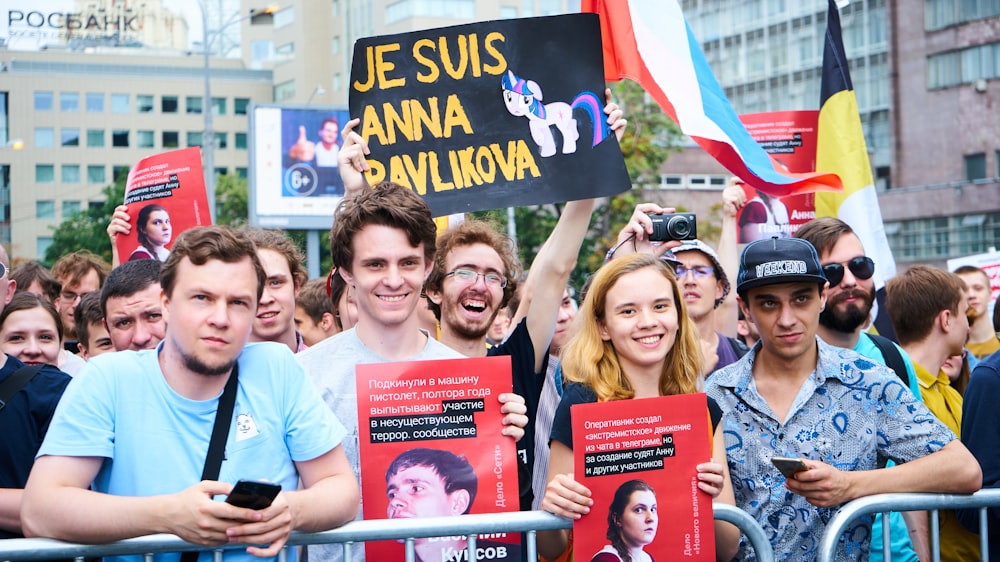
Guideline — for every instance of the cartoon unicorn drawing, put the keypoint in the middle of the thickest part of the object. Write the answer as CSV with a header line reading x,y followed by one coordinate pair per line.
x,y
523,98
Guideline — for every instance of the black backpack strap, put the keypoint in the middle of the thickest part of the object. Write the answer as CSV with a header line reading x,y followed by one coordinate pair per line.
x,y
738,346
893,358
16,381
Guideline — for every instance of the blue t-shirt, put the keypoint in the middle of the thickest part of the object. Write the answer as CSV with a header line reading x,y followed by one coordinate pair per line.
x,y
155,441
900,544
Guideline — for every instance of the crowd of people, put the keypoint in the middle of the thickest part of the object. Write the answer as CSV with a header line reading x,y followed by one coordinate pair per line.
x,y
137,394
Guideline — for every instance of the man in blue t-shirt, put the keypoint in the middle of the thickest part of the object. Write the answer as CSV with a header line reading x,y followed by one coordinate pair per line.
x,y
129,439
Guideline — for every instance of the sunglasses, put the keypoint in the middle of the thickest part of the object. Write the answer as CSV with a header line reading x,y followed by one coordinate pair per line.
x,y
861,267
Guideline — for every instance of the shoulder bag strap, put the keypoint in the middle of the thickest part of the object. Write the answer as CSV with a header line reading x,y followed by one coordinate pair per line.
x,y
220,433
16,381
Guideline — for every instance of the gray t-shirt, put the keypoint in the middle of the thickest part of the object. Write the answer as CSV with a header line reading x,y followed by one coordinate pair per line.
x,y
330,365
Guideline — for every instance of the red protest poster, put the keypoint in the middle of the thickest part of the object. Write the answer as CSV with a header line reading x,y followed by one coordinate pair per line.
x,y
430,445
638,458
165,195
790,138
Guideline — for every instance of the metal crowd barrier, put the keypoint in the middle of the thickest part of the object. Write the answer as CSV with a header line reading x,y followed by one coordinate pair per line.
x,y
351,534
884,503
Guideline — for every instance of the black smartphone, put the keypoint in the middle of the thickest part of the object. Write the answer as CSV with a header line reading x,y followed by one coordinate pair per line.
x,y
788,466
253,494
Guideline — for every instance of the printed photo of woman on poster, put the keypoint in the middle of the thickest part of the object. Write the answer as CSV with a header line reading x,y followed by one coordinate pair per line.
x,y
154,231
632,523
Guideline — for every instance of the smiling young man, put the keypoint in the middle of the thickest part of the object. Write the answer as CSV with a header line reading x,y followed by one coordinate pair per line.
x,y
282,263
383,242
128,442
796,396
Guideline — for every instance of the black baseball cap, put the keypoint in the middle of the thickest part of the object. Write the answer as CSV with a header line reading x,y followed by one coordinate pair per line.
x,y
778,260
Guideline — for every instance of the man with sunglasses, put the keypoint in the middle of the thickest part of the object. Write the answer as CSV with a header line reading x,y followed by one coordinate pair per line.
x,y
850,297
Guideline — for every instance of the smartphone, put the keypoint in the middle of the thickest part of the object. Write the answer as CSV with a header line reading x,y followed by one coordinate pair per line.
x,y
253,494
788,466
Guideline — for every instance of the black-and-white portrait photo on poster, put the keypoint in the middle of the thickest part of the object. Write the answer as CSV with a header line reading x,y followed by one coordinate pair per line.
x,y
489,115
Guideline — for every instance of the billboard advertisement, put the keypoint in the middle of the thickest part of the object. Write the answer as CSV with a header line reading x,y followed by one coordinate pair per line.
x,y
294,179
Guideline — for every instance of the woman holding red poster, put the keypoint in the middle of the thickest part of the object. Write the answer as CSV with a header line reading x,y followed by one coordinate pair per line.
x,y
634,339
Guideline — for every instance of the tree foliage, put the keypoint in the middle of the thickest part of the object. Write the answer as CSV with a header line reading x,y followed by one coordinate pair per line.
x,y
87,230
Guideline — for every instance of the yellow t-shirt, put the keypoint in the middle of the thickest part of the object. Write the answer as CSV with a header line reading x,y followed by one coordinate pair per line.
x,y
984,349
957,544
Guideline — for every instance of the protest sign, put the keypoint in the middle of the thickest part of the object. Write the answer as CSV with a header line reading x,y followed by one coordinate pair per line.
x,y
489,115
430,445
638,458
165,195
790,138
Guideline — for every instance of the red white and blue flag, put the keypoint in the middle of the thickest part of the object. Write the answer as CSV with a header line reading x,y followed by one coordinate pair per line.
x,y
649,41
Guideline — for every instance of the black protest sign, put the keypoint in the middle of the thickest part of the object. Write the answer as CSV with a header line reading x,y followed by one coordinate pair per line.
x,y
488,115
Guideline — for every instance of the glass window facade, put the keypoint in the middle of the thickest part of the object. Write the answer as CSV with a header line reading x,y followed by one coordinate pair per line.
x,y
95,102
120,103
95,138
96,174
171,139
45,137
119,138
43,101
45,209
69,136
45,173
144,104
71,173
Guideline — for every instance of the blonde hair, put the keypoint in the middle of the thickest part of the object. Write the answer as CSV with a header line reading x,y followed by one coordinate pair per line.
x,y
590,360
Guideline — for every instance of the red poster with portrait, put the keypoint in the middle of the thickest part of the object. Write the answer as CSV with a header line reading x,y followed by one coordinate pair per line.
x,y
790,138
165,195
431,445
638,458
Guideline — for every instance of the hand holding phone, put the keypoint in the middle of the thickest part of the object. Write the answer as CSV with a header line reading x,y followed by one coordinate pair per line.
x,y
253,494
789,466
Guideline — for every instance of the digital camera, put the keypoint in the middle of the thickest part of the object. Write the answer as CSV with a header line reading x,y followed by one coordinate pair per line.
x,y
673,226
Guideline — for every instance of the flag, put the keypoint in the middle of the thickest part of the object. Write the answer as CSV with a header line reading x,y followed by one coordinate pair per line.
x,y
841,149
649,41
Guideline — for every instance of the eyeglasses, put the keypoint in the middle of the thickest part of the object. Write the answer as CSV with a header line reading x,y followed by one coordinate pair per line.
x,y
696,270
70,296
861,267
468,277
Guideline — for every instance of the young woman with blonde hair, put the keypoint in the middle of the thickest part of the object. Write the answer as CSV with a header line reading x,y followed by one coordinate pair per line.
x,y
633,339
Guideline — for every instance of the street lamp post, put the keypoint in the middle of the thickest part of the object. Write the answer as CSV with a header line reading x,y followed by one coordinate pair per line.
x,y
208,136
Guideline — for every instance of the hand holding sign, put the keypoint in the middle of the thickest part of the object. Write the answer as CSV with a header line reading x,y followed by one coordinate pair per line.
x,y
304,150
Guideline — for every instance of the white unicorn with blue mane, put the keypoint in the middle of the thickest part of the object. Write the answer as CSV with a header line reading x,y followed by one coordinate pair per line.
x,y
523,98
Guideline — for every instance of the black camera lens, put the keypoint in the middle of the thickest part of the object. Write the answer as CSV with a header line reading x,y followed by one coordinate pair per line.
x,y
679,227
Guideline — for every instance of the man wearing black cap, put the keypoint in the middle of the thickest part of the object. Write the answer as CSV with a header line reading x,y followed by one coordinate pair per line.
x,y
796,396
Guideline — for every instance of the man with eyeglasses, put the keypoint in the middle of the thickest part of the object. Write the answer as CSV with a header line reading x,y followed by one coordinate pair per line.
x,y
850,297
475,275
78,273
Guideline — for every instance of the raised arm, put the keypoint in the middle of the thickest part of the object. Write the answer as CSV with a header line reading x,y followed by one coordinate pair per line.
x,y
733,197
351,159
542,293
119,226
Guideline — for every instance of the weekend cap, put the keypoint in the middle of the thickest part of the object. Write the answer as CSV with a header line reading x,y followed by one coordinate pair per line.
x,y
778,260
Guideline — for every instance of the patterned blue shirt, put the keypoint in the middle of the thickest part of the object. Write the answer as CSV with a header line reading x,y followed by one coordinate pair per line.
x,y
851,413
